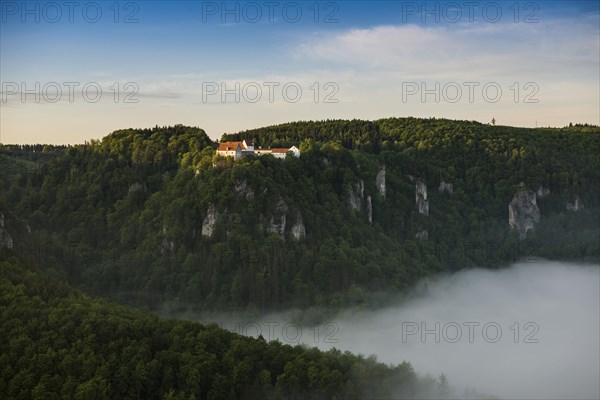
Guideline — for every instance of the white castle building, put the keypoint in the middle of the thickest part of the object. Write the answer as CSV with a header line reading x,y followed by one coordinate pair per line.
x,y
246,147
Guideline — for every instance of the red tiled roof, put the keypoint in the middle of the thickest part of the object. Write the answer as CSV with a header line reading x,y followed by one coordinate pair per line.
x,y
280,150
229,146
249,142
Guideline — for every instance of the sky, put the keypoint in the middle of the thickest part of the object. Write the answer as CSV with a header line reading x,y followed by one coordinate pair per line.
x,y
77,70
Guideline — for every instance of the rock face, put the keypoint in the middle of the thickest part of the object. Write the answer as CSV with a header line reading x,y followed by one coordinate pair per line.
x,y
278,221
422,235
243,190
575,205
356,193
208,225
523,212
276,225
421,198
137,187
369,210
542,192
167,246
446,187
298,229
5,239
380,181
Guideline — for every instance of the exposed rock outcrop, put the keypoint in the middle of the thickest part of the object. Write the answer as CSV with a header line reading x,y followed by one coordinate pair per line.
x,y
356,194
210,221
137,187
446,187
542,192
167,245
277,225
243,190
277,222
421,198
369,210
380,181
282,208
575,205
422,235
298,229
5,239
523,212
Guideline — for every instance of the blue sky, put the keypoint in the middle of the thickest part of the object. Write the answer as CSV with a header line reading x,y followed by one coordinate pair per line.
x,y
261,63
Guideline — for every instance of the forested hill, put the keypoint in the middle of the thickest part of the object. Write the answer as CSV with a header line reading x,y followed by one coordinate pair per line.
x,y
379,135
57,343
154,217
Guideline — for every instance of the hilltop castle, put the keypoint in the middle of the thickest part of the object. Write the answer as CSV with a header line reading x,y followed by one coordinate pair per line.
x,y
246,147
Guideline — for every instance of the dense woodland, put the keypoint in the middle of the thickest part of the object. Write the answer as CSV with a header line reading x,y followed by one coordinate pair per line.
x,y
58,343
122,217
125,218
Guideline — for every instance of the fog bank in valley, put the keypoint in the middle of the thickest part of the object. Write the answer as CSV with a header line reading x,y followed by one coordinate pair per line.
x,y
553,352
530,331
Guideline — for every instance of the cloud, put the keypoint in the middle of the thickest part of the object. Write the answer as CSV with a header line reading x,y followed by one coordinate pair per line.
x,y
467,50
23,93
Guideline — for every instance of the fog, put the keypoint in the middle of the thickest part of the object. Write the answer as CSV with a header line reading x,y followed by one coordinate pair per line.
x,y
553,352
560,301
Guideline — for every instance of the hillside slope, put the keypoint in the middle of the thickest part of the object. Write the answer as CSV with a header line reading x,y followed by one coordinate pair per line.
x,y
153,216
57,343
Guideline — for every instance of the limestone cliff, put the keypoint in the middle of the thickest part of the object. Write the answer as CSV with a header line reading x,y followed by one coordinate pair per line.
x,y
298,229
277,222
445,187
523,212
137,187
422,234
243,190
542,192
208,225
356,193
421,198
167,245
575,205
380,182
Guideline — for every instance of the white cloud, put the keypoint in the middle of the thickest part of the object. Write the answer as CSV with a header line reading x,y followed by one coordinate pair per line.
x,y
369,66
506,50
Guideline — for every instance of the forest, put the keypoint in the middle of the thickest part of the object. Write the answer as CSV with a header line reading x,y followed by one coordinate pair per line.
x,y
58,343
99,239
152,218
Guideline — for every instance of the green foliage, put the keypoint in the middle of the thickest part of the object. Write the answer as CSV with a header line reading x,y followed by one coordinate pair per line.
x,y
57,343
126,214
